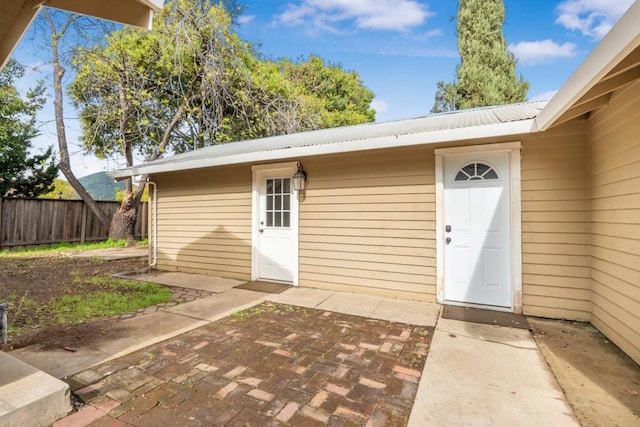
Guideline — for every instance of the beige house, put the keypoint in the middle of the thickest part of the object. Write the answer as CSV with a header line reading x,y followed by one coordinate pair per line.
x,y
529,208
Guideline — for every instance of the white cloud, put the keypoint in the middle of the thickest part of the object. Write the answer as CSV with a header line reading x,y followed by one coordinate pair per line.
x,y
325,15
429,34
380,106
245,19
592,18
543,50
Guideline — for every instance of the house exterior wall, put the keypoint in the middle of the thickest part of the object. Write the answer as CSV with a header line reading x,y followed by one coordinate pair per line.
x,y
367,222
204,221
614,148
555,224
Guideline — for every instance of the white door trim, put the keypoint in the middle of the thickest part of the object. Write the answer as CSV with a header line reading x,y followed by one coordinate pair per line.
x,y
258,172
513,148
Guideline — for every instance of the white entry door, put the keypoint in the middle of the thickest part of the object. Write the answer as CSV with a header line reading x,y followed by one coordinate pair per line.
x,y
477,221
275,226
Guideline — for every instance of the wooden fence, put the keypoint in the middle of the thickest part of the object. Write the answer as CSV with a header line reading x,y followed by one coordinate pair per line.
x,y
30,222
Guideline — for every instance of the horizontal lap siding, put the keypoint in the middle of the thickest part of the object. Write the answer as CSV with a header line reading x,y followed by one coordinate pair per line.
x,y
614,148
367,224
555,224
204,221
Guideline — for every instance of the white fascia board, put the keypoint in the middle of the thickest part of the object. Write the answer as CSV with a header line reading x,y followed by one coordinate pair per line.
x,y
407,140
130,12
621,40
153,4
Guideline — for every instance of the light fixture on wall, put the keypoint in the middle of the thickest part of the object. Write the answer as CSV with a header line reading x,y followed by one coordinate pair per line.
x,y
299,178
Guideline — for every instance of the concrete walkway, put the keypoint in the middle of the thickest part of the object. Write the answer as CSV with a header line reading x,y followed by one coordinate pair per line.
x,y
474,374
485,375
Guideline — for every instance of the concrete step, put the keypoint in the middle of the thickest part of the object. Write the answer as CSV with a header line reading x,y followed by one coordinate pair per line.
x,y
28,396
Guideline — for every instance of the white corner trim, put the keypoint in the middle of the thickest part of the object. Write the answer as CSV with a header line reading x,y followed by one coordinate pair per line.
x,y
258,172
514,149
439,224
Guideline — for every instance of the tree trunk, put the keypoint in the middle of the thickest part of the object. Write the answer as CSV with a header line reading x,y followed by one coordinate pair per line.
x,y
65,161
123,222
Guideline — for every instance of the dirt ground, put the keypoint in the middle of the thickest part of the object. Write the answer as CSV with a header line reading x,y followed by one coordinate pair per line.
x,y
43,278
602,384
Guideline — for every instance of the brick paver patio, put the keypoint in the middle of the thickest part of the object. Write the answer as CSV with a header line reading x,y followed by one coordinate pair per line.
x,y
270,365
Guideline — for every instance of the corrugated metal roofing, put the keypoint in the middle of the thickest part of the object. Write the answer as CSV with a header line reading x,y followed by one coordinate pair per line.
x,y
472,118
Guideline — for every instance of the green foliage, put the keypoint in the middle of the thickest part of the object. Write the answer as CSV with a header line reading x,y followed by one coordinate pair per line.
x,y
22,175
62,247
124,296
61,190
192,82
487,71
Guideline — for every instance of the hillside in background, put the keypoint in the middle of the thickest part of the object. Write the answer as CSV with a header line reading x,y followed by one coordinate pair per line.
x,y
101,186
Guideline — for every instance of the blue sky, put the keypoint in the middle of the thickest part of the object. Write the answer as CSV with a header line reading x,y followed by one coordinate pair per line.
x,y
400,48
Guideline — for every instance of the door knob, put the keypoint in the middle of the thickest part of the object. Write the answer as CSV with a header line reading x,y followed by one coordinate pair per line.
x,y
261,230
448,240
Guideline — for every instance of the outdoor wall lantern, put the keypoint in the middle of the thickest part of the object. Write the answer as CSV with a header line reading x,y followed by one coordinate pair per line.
x,y
299,178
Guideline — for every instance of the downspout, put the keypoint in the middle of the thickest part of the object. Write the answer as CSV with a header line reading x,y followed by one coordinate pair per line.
x,y
152,216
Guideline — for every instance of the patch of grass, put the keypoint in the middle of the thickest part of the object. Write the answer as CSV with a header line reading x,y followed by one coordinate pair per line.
x,y
16,305
83,307
61,247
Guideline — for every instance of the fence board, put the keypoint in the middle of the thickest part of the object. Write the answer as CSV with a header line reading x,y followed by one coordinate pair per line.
x,y
30,222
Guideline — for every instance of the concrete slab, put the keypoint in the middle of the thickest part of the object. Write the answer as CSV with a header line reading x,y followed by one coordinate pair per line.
x,y
191,281
217,306
29,396
393,310
411,312
142,331
487,375
302,297
354,304
60,363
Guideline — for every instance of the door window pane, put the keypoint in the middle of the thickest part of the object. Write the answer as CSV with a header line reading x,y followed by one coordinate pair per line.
x,y
476,172
278,203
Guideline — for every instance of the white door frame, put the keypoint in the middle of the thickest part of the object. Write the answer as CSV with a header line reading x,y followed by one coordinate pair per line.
x,y
258,173
513,149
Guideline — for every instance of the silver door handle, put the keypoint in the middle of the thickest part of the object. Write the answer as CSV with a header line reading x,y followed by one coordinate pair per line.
x,y
448,240
261,230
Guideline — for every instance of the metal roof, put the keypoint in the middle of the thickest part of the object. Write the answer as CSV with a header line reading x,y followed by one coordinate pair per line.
x,y
457,125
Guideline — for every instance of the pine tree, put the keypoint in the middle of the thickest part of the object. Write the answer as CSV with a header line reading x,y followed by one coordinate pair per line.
x,y
487,71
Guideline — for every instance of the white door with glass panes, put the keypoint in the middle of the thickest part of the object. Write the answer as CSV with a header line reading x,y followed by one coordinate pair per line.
x,y
275,231
477,230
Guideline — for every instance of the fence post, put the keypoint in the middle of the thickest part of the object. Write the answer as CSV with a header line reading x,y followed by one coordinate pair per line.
x,y
83,226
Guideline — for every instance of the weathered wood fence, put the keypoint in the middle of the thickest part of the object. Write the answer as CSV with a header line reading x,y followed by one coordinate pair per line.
x,y
30,222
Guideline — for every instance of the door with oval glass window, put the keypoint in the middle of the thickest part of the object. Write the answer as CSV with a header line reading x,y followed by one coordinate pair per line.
x,y
477,235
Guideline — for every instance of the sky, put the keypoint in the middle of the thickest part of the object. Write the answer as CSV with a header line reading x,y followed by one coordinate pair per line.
x,y
400,48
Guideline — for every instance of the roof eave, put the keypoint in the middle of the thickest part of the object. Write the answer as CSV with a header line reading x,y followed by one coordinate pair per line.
x,y
131,12
614,47
406,140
